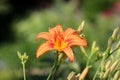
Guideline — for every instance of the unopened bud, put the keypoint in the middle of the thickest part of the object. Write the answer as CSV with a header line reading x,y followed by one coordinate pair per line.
x,y
94,47
71,75
118,45
115,32
77,76
101,74
100,55
110,41
107,65
106,74
19,54
116,76
23,57
81,27
112,38
84,73
114,65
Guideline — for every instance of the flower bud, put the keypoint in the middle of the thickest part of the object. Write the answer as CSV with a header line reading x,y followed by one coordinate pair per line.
x,y
107,65
114,65
106,74
84,73
81,27
116,76
115,32
71,75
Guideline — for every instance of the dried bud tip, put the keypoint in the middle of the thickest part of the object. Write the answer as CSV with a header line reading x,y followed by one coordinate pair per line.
x,y
115,64
81,27
115,32
84,73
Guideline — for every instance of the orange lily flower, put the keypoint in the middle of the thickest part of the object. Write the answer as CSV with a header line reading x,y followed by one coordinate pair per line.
x,y
60,40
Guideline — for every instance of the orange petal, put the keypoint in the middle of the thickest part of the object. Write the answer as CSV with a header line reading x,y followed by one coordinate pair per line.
x,y
59,28
43,48
68,32
55,32
44,35
77,40
68,51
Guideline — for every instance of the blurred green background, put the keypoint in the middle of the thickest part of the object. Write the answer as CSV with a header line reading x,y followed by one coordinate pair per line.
x,y
22,20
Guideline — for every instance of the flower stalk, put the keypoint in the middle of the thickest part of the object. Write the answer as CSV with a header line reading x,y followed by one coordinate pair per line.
x,y
23,59
23,64
57,63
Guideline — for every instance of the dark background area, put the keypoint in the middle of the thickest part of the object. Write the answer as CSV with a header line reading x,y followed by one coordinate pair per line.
x,y
18,10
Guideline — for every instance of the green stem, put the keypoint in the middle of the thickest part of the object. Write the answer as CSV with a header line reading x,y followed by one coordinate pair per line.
x,y
102,63
54,68
96,73
89,58
53,71
24,70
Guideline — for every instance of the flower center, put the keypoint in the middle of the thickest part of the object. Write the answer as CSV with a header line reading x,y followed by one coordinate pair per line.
x,y
60,44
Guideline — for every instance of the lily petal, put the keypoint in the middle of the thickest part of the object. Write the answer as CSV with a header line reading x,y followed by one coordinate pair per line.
x,y
58,28
56,31
68,32
69,53
77,40
44,35
43,48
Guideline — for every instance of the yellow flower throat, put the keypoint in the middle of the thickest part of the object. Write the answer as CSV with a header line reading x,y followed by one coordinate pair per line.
x,y
60,44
